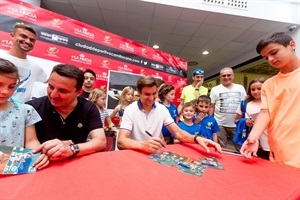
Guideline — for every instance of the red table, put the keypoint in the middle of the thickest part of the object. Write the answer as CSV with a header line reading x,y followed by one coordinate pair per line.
x,y
132,175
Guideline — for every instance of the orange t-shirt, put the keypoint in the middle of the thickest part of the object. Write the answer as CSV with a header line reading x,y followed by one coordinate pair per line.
x,y
281,96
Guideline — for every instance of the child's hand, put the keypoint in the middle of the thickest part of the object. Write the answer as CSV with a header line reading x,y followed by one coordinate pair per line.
x,y
249,122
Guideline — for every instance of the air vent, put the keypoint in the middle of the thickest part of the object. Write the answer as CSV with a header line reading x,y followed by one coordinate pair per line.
x,y
236,4
192,63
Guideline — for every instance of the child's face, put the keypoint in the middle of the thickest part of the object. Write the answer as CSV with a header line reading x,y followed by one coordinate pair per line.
x,y
277,55
188,112
101,101
129,96
203,107
255,89
8,83
170,96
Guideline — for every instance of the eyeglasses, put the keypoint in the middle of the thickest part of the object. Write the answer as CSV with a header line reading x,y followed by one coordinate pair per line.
x,y
224,75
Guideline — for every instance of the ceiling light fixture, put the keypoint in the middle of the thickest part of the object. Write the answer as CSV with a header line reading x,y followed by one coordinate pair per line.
x,y
155,46
205,52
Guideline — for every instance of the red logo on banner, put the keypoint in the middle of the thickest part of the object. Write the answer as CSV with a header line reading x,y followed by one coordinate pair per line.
x,y
126,46
22,12
81,59
157,57
124,68
6,43
84,32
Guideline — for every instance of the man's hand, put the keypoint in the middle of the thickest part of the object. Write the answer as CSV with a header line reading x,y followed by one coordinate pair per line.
x,y
249,148
205,143
41,162
56,149
152,145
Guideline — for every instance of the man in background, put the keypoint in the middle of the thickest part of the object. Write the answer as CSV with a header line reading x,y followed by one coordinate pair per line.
x,y
23,41
194,90
88,84
225,99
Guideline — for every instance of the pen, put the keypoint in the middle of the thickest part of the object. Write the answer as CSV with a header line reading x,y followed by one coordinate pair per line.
x,y
152,136
228,151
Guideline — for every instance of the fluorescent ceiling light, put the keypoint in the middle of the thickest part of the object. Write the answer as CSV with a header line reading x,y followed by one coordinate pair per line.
x,y
205,52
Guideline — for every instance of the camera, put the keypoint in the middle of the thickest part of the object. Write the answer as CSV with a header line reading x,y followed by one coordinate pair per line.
x,y
292,28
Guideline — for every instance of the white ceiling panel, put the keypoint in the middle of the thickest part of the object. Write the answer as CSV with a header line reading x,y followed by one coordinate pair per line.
x,y
178,31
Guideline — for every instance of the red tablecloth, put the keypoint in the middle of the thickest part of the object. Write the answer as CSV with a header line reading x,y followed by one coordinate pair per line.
x,y
132,175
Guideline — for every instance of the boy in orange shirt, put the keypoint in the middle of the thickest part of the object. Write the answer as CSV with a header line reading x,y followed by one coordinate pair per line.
x,y
280,103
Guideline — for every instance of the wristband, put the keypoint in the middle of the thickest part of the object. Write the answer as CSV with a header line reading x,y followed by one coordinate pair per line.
x,y
195,139
197,89
75,149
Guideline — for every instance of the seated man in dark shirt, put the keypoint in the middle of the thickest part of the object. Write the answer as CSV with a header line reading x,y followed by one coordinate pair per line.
x,y
67,119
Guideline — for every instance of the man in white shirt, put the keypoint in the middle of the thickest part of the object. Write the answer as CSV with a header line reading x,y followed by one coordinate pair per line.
x,y
142,122
225,99
23,41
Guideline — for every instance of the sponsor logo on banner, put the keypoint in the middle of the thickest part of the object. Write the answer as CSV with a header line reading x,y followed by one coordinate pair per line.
x,y
170,79
6,43
180,82
52,52
157,75
54,38
157,66
81,59
107,39
105,64
171,70
182,65
56,22
124,68
144,51
157,57
22,12
102,76
142,71
84,32
126,46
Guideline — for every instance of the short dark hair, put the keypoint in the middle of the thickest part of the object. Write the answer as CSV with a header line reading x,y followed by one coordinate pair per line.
x,y
24,26
70,71
204,98
279,38
7,67
164,90
145,81
90,71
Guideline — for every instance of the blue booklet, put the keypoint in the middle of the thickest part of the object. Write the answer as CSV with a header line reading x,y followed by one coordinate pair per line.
x,y
15,160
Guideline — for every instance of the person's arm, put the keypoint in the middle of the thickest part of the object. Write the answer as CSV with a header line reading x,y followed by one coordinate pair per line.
x,y
180,106
185,137
32,142
114,112
250,146
212,109
149,146
215,137
60,149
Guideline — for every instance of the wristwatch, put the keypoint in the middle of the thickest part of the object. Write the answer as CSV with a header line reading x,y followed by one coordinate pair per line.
x,y
195,139
75,149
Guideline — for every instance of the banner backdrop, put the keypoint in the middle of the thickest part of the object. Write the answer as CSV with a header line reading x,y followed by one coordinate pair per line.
x,y
64,40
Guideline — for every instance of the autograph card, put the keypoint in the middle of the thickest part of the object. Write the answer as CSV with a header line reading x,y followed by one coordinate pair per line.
x,y
210,162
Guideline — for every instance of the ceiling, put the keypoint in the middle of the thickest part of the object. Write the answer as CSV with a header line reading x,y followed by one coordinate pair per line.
x,y
182,32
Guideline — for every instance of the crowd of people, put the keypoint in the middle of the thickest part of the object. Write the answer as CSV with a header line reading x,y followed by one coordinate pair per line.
x,y
68,121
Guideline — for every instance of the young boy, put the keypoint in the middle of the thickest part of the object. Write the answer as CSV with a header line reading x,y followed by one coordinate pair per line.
x,y
280,103
188,113
209,127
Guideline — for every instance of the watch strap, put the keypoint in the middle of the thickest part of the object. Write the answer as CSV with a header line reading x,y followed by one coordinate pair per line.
x,y
75,149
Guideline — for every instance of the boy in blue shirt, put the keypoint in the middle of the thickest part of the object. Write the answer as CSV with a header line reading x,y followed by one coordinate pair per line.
x,y
188,112
209,127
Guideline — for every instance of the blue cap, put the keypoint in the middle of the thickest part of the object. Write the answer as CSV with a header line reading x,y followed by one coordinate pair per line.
x,y
198,72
